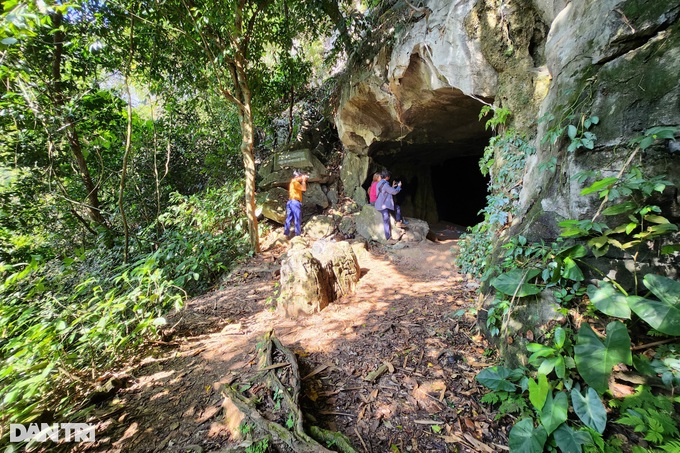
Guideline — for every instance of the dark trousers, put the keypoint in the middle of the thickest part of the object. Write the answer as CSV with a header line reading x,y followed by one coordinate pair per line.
x,y
386,219
294,214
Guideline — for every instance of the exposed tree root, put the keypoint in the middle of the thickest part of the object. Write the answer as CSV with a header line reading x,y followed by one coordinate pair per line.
x,y
265,413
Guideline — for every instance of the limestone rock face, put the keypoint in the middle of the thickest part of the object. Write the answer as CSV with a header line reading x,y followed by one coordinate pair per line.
x,y
369,224
320,226
274,206
341,265
313,277
305,288
627,62
425,76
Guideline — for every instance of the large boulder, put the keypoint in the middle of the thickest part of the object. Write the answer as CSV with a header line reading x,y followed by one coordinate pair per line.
x,y
320,226
305,287
315,196
369,225
274,205
341,265
311,278
352,174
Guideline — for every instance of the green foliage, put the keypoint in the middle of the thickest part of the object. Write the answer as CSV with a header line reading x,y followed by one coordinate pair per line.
x,y
495,315
653,416
499,118
202,236
547,359
559,369
580,136
525,438
589,409
499,378
261,446
61,318
663,314
595,359
504,161
554,411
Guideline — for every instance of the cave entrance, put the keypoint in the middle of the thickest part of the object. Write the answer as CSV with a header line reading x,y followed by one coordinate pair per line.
x,y
442,183
436,158
459,190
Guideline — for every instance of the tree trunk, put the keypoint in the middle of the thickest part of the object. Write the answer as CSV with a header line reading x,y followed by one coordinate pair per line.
x,y
93,208
247,144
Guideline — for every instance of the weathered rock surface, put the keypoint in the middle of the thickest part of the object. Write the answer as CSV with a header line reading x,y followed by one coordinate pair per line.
x,y
368,224
320,226
424,77
276,174
313,277
305,288
341,265
416,101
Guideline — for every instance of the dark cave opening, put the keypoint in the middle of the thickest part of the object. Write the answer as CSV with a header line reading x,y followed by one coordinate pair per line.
x,y
460,190
442,183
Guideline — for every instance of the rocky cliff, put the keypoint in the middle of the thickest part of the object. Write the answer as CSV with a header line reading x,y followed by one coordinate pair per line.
x,y
581,82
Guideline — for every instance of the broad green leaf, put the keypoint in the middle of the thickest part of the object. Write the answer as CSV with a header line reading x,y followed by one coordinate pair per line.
x,y
599,185
595,359
571,270
669,249
653,218
9,41
560,337
609,300
514,283
575,251
524,438
664,314
621,208
560,367
496,378
571,131
570,441
590,409
548,365
538,391
554,412
646,142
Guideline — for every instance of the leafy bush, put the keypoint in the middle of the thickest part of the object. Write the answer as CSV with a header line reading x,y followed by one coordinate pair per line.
x,y
202,235
63,320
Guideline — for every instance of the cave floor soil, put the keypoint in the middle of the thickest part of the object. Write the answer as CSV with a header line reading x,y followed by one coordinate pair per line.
x,y
405,313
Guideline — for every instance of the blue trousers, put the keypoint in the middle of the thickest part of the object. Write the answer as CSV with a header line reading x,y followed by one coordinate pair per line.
x,y
294,214
386,219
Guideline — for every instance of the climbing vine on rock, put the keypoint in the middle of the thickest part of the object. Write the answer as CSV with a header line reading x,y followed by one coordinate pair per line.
x,y
503,161
562,393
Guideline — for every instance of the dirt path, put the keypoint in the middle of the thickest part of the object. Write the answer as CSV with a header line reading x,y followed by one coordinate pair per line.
x,y
402,315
